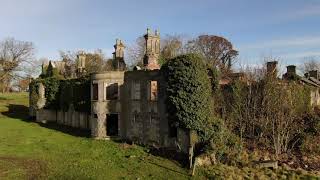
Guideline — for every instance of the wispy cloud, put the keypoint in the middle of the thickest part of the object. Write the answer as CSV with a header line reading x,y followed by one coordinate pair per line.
x,y
283,43
304,11
290,50
302,55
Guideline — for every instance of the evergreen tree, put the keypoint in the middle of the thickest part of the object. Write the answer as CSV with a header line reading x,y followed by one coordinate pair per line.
x,y
189,94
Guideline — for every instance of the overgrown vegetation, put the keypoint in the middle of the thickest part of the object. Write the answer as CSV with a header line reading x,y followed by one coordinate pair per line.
x,y
61,93
268,111
75,92
29,151
189,103
190,106
265,114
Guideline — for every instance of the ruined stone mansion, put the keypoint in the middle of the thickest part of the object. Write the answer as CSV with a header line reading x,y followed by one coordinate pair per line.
x,y
125,104
131,105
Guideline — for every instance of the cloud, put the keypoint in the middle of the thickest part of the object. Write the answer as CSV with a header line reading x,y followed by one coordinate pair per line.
x,y
307,41
290,50
302,55
305,11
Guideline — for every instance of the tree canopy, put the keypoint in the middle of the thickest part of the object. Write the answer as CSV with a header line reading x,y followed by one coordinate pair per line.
x,y
216,50
189,93
12,54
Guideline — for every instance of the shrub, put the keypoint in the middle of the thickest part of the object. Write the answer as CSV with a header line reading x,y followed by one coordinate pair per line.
x,y
226,146
189,94
311,145
190,107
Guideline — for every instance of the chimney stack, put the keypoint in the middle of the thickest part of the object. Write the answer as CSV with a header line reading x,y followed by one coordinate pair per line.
x,y
314,74
291,70
118,56
152,53
272,68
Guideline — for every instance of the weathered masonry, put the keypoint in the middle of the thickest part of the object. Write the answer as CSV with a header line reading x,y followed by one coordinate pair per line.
x,y
129,105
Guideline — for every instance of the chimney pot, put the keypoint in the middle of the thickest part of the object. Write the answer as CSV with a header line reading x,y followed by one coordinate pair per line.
x,y
291,69
272,68
314,74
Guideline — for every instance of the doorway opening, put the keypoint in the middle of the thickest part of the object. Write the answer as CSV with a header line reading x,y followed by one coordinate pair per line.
x,y
112,125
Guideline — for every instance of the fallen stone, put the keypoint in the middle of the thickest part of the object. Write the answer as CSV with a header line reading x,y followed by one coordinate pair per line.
x,y
266,164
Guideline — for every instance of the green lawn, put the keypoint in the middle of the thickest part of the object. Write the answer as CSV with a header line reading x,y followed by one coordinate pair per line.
x,y
30,151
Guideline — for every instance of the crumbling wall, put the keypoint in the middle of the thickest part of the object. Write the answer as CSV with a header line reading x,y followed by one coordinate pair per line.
x,y
70,118
144,117
46,115
102,105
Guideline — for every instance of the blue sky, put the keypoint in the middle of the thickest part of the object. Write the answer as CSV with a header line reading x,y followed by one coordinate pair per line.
x,y
286,29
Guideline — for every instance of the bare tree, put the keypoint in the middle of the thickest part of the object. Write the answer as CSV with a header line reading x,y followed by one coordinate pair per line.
x,y
281,114
217,51
69,58
267,109
95,62
136,52
171,46
12,54
311,63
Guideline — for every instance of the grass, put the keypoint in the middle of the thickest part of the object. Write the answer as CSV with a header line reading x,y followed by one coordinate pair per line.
x,y
30,151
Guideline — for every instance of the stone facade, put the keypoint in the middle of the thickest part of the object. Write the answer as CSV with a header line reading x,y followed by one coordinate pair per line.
x,y
131,104
125,104
152,54
81,63
311,78
118,56
70,118
59,65
104,103
139,109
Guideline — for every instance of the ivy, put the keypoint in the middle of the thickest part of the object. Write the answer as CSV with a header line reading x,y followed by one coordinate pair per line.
x,y
189,101
76,92
60,94
34,94
51,85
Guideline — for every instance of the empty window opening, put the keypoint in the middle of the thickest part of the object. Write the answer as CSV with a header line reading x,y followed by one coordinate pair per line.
x,y
112,91
136,91
153,90
95,91
112,124
173,131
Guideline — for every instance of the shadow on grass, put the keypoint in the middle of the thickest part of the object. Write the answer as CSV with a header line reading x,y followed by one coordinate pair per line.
x,y
177,157
67,129
169,169
17,111
169,153
21,112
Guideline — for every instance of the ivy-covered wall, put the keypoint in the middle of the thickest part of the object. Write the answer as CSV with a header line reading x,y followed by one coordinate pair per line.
x,y
60,94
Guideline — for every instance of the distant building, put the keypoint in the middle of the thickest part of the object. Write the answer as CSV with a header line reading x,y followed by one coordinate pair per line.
x,y
312,78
